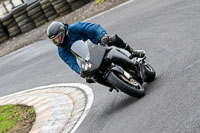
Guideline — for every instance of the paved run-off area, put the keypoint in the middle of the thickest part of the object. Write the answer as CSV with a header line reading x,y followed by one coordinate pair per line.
x,y
59,108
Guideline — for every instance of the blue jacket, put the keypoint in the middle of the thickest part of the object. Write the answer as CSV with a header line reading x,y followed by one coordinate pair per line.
x,y
79,31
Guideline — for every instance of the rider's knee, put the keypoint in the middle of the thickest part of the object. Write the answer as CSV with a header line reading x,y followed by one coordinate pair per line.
x,y
115,40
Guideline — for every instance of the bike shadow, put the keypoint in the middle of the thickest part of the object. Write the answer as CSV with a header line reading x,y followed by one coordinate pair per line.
x,y
148,86
117,106
125,100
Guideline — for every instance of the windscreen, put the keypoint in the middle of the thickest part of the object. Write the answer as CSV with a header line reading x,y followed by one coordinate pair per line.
x,y
80,49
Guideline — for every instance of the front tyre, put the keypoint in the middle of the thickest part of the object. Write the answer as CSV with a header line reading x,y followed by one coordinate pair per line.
x,y
128,86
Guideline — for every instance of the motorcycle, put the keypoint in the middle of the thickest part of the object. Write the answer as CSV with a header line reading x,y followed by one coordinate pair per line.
x,y
111,66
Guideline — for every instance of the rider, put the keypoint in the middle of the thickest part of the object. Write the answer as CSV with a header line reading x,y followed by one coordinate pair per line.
x,y
64,35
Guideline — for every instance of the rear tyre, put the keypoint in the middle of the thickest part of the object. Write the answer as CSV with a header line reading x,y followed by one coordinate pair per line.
x,y
149,73
128,86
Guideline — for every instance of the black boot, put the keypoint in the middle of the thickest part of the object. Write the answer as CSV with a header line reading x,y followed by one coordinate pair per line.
x,y
128,48
137,53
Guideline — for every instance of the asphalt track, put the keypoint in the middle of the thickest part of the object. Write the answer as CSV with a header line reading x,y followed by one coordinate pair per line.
x,y
169,32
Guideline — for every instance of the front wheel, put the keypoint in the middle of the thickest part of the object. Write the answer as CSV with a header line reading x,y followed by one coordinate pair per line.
x,y
128,86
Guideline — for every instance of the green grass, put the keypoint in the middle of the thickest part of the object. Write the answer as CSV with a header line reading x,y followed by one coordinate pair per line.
x,y
31,110
9,116
100,1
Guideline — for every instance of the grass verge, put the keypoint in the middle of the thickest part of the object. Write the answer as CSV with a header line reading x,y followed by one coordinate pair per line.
x,y
16,118
100,1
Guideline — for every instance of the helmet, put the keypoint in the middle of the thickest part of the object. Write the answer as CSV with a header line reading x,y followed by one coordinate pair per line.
x,y
56,32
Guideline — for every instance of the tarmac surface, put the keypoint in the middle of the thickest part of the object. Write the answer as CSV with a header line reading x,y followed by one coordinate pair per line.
x,y
169,33
59,108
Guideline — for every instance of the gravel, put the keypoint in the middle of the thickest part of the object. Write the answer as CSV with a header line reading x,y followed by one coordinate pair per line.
x,y
39,33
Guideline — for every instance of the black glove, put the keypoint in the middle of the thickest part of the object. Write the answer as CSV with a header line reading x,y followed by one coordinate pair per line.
x,y
104,40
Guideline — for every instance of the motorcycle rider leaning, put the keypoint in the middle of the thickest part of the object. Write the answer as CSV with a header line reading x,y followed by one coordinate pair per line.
x,y
64,35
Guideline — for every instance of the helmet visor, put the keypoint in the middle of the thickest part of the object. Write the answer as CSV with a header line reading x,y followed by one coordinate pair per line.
x,y
57,39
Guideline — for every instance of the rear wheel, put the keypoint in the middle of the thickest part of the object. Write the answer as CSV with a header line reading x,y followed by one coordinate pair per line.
x,y
129,86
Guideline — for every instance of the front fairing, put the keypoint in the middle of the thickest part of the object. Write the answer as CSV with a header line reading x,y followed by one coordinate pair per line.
x,y
89,56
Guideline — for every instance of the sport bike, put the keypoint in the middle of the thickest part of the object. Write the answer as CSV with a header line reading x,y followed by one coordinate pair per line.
x,y
111,66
